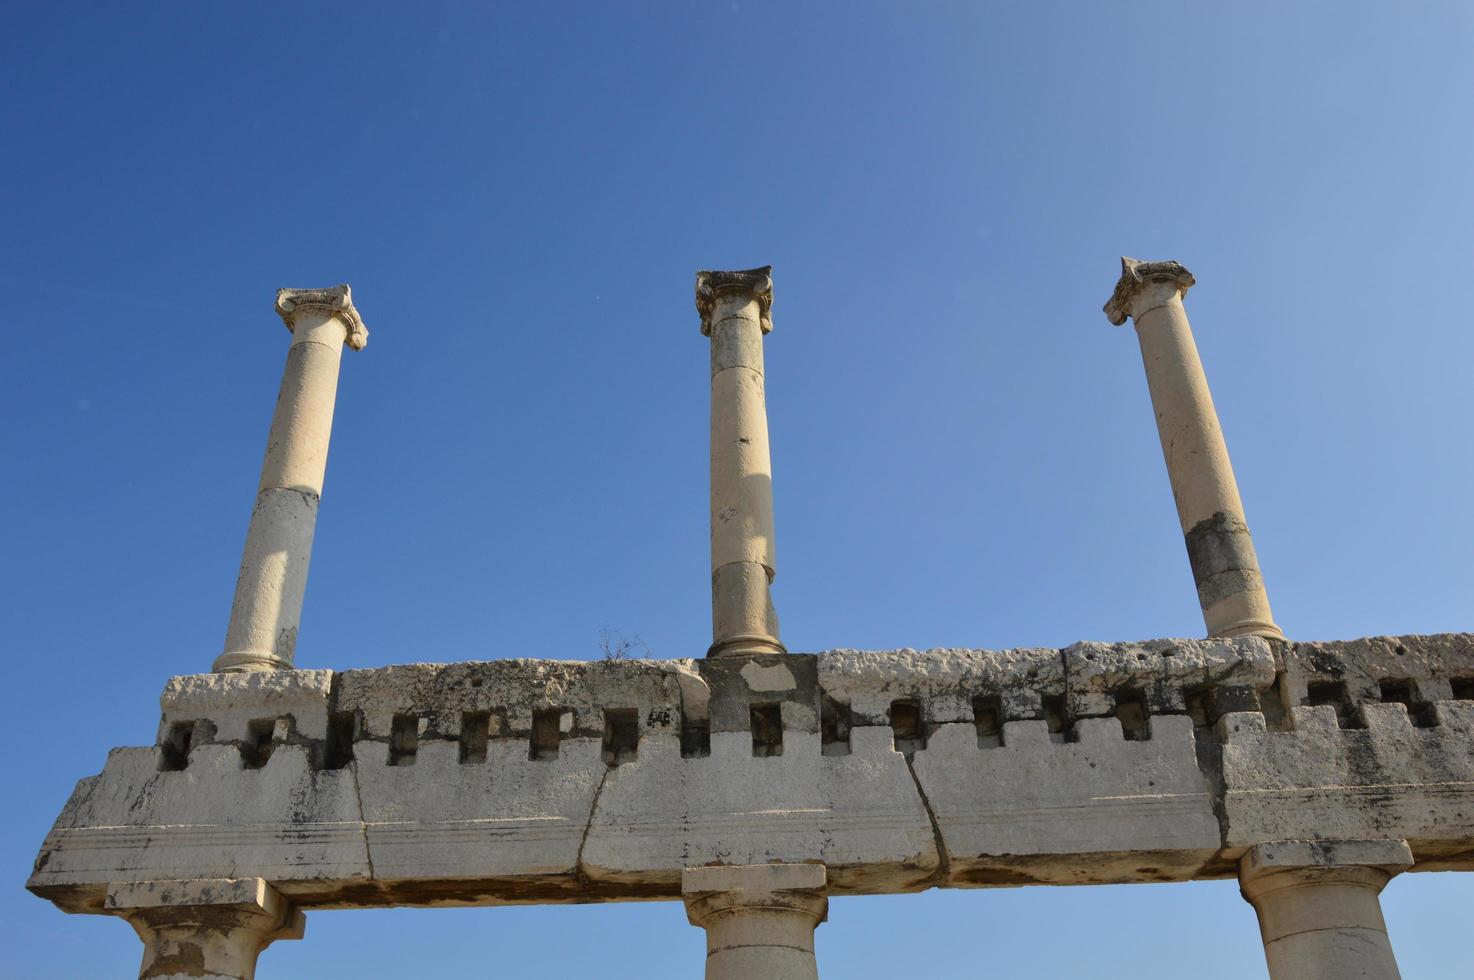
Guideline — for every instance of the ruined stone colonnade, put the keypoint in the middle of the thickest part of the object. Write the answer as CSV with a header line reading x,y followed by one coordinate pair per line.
x,y
754,783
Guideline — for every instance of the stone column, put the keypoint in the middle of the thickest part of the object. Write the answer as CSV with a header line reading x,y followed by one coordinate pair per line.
x,y
1318,909
759,919
736,311
1230,587
211,929
268,594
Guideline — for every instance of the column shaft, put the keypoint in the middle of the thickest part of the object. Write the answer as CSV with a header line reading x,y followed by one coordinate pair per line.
x,y
759,919
734,308
267,609
1318,908
1219,548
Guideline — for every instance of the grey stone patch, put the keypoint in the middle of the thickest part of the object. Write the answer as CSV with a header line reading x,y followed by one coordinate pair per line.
x,y
733,696
1430,665
945,682
1221,553
1165,673
512,691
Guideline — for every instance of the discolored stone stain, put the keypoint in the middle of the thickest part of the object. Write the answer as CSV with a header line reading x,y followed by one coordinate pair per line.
x,y
1323,661
1221,553
186,959
738,683
984,876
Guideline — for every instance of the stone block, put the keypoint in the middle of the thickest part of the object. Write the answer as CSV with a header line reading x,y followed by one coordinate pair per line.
x,y
1381,777
945,682
285,822
1362,670
510,816
513,690
1161,672
1031,809
232,703
859,813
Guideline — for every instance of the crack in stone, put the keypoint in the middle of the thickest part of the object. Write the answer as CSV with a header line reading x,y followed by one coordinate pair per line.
x,y
944,860
723,949
368,852
308,497
578,871
1208,753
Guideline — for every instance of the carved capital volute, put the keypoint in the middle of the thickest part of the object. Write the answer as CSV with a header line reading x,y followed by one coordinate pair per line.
x,y
1136,279
710,285
333,301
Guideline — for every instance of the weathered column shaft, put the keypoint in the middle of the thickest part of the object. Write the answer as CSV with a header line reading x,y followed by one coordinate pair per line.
x,y
211,929
735,310
1219,548
759,919
264,617
1319,914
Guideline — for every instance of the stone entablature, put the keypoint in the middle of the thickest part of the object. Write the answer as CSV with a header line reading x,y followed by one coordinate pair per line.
x,y
537,780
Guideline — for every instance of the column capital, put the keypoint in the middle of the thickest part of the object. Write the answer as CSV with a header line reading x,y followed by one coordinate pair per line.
x,y
712,891
211,927
244,898
710,284
1136,275
1371,863
332,301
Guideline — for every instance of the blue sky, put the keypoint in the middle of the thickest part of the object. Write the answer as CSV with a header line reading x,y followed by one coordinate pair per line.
x,y
963,448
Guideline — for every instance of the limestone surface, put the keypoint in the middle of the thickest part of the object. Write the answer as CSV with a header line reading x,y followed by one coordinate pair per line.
x,y
1219,547
542,780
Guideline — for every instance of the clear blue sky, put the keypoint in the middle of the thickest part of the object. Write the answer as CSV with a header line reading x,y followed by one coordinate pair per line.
x,y
964,451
